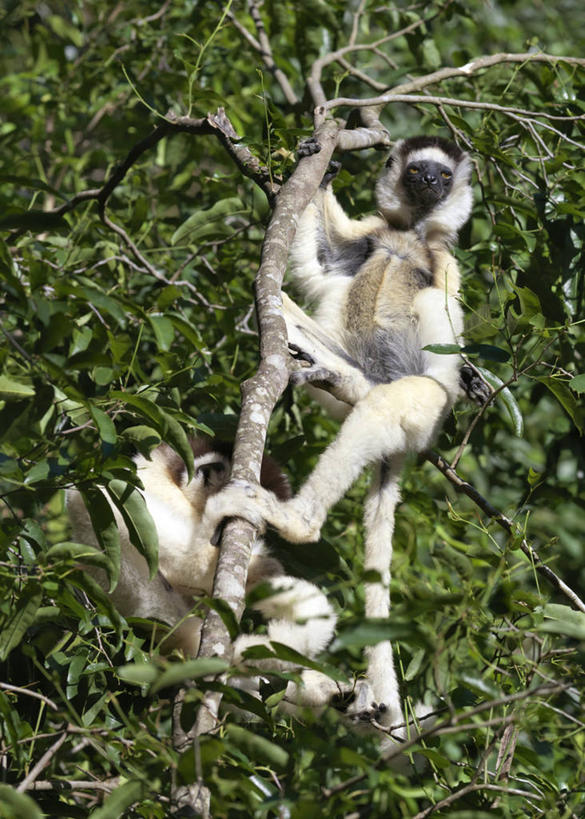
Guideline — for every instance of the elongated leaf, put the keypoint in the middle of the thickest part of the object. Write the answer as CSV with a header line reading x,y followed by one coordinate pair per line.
x,y
186,329
141,528
139,673
79,552
190,670
22,617
561,619
257,747
566,399
486,351
104,423
116,803
578,384
443,349
29,182
163,329
371,632
281,651
142,437
19,805
34,220
168,427
202,222
106,530
176,436
84,581
12,390
507,399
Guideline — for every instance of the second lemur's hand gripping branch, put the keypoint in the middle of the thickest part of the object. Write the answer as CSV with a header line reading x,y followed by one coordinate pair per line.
x,y
259,395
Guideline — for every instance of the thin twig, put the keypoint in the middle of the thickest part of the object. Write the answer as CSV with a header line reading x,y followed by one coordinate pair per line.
x,y
446,726
42,763
507,524
28,693
478,786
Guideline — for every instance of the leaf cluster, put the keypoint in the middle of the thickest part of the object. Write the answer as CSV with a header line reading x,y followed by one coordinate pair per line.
x,y
106,351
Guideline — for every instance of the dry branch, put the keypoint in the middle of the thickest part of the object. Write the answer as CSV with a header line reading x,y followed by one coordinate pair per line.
x,y
507,524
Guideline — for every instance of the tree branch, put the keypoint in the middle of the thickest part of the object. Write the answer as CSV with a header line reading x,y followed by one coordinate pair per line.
x,y
505,522
446,727
41,764
259,395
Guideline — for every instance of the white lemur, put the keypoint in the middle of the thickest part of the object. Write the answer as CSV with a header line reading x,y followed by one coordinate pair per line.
x,y
298,613
383,288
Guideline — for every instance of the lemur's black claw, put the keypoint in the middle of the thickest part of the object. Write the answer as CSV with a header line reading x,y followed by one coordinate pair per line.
x,y
331,173
308,147
299,354
473,385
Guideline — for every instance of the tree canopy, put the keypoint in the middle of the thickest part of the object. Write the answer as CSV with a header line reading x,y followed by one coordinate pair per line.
x,y
148,177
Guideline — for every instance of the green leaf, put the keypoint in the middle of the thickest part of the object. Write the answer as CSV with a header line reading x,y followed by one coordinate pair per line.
x,y
204,222
12,390
104,423
480,686
139,673
35,220
258,748
79,552
505,396
578,384
566,399
168,427
530,306
163,330
21,618
187,330
563,620
93,589
142,437
29,182
105,528
177,673
487,351
443,349
370,632
281,651
116,803
19,805
138,520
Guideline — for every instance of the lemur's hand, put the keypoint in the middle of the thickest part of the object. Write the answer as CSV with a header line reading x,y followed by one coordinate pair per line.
x,y
236,500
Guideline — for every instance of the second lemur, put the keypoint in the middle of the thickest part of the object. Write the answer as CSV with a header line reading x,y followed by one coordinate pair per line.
x,y
383,288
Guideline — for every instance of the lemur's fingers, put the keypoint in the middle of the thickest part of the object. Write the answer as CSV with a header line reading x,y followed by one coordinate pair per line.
x,y
320,376
332,171
308,147
234,501
299,354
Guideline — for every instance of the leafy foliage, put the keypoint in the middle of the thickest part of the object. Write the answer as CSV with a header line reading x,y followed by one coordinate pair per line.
x,y
123,331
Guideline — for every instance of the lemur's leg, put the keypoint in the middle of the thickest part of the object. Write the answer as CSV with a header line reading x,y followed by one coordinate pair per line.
x,y
298,614
327,363
390,421
378,694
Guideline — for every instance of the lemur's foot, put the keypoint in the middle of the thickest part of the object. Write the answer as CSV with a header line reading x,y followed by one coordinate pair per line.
x,y
319,376
234,501
300,355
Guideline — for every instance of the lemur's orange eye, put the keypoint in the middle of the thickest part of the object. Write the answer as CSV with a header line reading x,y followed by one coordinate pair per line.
x,y
412,169
446,174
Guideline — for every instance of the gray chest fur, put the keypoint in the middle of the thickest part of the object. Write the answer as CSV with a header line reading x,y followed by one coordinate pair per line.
x,y
380,331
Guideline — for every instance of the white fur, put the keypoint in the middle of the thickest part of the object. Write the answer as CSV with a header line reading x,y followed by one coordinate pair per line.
x,y
388,420
298,613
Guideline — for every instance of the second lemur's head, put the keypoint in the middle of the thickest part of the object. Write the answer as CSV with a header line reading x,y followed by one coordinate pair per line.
x,y
426,185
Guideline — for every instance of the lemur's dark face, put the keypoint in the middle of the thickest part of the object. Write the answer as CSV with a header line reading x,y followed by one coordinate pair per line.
x,y
426,183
